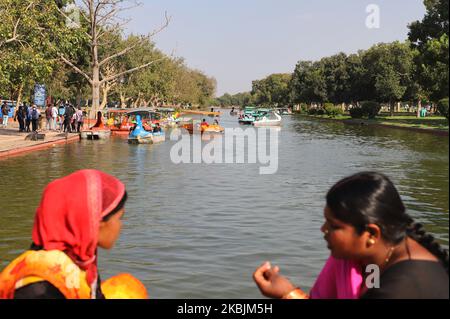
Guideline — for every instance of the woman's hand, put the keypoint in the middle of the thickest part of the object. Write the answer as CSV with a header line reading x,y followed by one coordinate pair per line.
x,y
270,283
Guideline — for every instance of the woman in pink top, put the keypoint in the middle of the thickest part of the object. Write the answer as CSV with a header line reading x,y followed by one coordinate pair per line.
x,y
366,227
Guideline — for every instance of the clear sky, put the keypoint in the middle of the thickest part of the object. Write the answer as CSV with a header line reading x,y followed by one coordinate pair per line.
x,y
238,41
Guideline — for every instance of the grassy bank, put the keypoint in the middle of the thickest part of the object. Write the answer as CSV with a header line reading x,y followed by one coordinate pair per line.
x,y
432,123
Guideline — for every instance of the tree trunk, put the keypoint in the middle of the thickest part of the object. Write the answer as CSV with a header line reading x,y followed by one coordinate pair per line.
x,y
95,92
392,107
19,95
79,97
123,101
105,98
419,107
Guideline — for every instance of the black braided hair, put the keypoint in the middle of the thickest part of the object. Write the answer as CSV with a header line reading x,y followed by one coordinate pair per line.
x,y
371,198
417,232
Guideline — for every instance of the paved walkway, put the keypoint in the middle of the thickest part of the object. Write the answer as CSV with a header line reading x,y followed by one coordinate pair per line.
x,y
13,143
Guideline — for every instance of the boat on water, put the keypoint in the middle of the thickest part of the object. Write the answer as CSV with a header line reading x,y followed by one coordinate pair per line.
x,y
139,135
252,114
193,112
273,119
248,116
246,119
197,124
203,128
210,129
118,122
284,111
148,116
170,118
213,128
98,132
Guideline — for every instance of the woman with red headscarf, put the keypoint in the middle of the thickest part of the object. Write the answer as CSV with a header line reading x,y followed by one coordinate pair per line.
x,y
77,214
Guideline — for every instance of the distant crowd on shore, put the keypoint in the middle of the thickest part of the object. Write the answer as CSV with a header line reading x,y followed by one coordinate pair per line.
x,y
65,118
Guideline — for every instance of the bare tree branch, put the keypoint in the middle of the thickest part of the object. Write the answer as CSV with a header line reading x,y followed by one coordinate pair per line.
x,y
131,70
126,50
73,66
103,17
119,54
15,36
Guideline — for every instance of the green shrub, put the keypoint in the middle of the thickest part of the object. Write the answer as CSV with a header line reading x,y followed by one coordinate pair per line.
x,y
443,107
312,111
303,108
332,110
370,109
356,112
320,112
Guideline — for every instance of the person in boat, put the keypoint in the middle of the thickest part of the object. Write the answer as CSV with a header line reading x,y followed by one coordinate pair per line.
x,y
204,123
148,126
111,121
157,128
216,122
134,123
77,215
99,124
367,225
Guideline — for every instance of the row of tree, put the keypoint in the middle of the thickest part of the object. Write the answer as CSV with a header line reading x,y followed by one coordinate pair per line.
x,y
414,70
80,52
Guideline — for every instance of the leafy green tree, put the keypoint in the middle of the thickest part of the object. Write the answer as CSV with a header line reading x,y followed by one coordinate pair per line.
x,y
272,90
32,35
240,99
443,107
336,74
308,83
358,84
430,37
389,69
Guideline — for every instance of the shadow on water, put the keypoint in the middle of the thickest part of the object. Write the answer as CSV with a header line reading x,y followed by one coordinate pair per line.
x,y
199,231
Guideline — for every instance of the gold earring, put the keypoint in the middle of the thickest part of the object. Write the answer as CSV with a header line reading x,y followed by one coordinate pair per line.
x,y
371,241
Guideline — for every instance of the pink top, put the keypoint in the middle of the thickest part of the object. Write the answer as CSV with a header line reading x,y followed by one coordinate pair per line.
x,y
339,279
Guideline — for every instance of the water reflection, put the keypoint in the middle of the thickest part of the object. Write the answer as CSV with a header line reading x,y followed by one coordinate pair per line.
x,y
198,231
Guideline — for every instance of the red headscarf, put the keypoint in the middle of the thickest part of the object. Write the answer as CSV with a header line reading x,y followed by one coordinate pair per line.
x,y
69,216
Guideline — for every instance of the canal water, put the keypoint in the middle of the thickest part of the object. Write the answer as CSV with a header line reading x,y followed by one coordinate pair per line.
x,y
199,230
